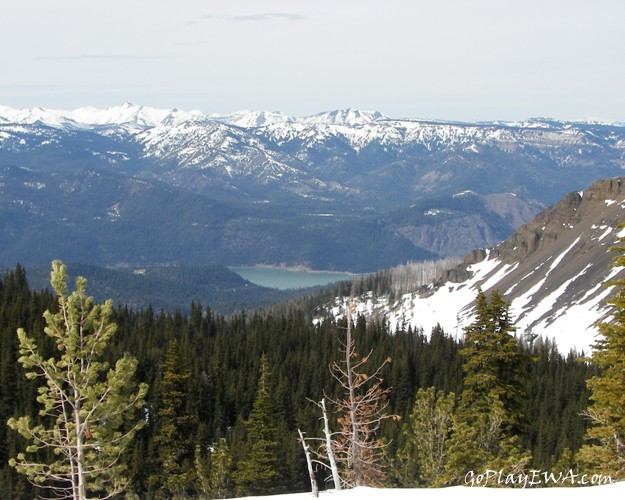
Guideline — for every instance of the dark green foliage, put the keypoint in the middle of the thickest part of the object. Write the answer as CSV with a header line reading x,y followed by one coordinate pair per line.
x,y
222,356
171,287
176,426
258,470
490,409
492,361
605,451
556,396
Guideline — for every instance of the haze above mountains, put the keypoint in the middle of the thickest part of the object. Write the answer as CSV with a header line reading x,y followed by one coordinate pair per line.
x,y
357,191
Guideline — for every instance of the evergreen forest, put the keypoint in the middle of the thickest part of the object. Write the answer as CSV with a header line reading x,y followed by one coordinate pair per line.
x,y
219,385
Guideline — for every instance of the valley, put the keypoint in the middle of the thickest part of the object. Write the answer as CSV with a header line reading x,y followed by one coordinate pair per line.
x,y
130,187
359,192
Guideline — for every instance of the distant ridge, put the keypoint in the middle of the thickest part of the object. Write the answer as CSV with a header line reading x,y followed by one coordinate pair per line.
x,y
355,190
128,112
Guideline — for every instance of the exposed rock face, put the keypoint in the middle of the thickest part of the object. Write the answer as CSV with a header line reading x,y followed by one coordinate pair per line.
x,y
563,254
552,271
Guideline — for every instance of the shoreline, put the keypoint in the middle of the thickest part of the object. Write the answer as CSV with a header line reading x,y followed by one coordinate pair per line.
x,y
298,269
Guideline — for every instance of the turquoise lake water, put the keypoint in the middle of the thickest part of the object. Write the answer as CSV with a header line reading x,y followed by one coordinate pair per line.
x,y
284,279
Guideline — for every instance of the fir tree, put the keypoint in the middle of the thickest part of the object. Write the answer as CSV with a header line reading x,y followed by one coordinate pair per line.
x,y
606,450
177,428
87,408
214,470
490,409
258,472
492,361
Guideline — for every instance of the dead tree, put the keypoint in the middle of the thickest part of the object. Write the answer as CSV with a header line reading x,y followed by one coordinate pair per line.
x,y
309,462
325,451
359,449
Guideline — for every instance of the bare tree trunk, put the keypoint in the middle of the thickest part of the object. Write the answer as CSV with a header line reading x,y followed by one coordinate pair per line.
x,y
326,430
311,473
355,438
80,492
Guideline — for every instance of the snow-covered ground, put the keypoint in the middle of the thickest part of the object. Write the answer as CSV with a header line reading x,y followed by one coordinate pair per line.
x,y
451,306
604,492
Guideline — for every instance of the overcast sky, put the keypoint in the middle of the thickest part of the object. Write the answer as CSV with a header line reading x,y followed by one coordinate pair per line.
x,y
463,60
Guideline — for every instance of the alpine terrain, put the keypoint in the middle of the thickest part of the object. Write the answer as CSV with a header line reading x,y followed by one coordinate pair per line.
x,y
358,191
551,270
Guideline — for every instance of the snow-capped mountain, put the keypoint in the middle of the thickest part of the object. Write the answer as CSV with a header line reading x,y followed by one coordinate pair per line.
x,y
126,114
551,270
387,185
214,146
345,117
337,154
253,119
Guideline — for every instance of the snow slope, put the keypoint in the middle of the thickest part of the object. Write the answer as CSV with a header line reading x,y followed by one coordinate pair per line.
x,y
551,270
606,492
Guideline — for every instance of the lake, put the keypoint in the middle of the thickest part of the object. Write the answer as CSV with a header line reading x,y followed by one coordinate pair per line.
x,y
285,278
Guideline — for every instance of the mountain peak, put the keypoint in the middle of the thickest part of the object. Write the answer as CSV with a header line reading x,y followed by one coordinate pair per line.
x,y
348,117
253,119
125,114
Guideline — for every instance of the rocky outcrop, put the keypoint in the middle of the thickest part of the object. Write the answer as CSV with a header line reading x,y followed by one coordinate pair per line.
x,y
593,204
552,271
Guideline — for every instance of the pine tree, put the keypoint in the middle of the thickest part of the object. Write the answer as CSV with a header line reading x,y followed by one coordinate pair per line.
x,y
214,470
177,428
606,450
87,409
258,472
427,432
492,360
489,413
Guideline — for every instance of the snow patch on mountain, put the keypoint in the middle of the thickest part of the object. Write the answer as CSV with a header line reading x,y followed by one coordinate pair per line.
x,y
450,305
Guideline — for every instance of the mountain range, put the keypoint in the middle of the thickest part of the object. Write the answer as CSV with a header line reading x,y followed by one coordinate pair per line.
x,y
344,190
551,270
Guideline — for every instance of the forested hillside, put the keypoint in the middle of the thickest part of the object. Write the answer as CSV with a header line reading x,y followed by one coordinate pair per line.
x,y
170,287
213,365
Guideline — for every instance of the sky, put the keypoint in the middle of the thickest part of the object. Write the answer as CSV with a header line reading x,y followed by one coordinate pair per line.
x,y
434,59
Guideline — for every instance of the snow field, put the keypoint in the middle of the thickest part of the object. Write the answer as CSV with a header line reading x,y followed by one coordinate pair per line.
x,y
604,492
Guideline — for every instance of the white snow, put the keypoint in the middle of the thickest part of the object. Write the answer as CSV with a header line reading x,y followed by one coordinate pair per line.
x,y
606,491
451,305
447,306
608,230
348,117
252,119
545,306
125,114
